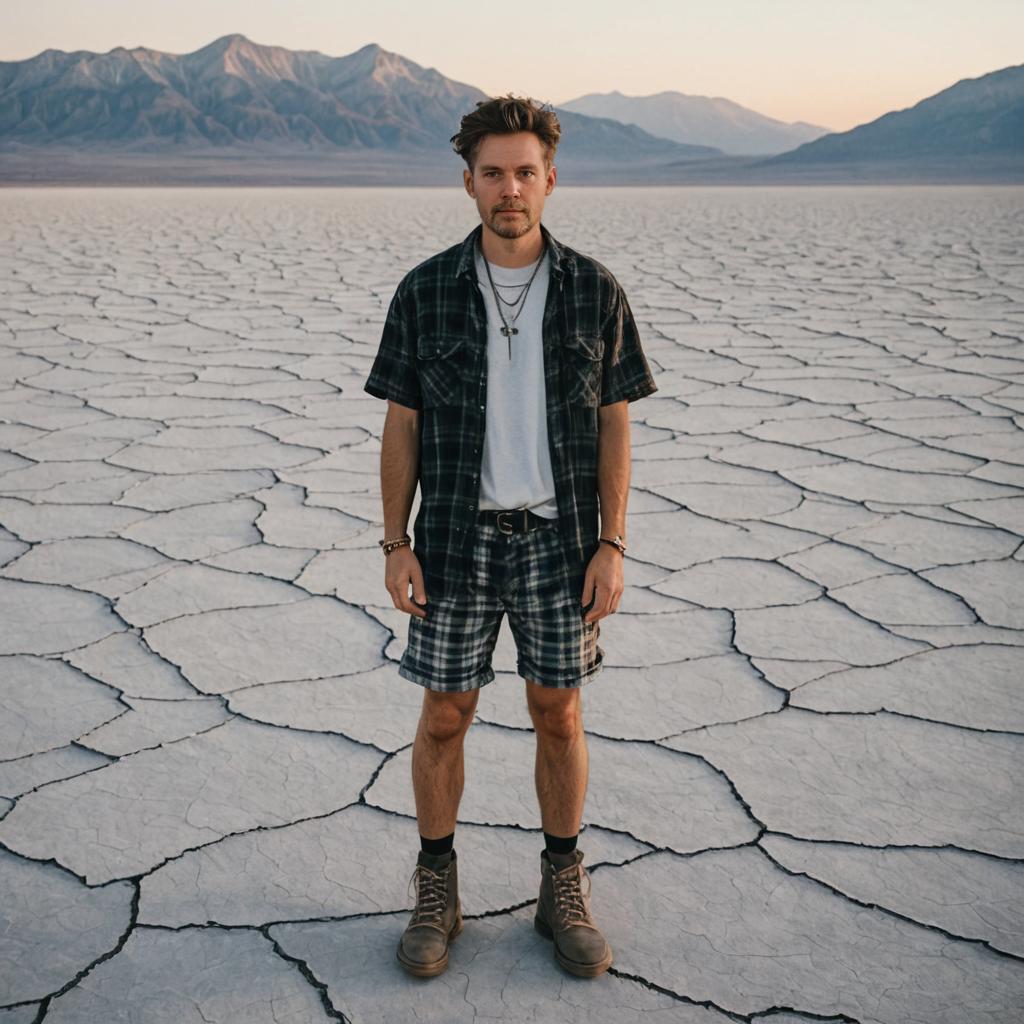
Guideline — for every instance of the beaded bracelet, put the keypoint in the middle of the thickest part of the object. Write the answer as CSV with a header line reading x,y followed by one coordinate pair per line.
x,y
389,545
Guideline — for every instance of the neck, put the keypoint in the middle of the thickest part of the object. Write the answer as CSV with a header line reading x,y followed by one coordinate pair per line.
x,y
512,252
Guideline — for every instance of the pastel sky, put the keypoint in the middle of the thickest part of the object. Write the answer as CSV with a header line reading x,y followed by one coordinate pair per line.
x,y
836,63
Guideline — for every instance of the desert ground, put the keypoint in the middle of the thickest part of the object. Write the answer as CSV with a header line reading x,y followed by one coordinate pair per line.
x,y
806,739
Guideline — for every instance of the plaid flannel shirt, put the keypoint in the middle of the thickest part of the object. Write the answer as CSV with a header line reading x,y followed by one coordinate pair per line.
x,y
433,357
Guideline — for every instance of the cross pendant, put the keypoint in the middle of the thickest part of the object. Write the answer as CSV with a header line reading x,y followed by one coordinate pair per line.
x,y
508,331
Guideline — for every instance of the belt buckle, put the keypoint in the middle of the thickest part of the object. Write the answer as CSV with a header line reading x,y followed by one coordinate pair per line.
x,y
511,528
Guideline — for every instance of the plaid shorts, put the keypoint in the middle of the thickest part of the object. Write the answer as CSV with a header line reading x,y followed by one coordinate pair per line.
x,y
525,575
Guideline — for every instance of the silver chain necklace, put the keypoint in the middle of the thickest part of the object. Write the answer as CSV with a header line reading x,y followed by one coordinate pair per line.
x,y
511,302
508,328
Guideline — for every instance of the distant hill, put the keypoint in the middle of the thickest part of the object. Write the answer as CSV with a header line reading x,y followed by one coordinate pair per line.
x,y
236,94
604,138
976,117
705,120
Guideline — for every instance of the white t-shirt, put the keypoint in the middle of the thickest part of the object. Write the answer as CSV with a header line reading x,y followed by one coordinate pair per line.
x,y
516,469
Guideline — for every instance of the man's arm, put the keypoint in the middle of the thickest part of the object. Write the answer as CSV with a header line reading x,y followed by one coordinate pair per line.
x,y
399,475
613,466
399,466
604,581
625,377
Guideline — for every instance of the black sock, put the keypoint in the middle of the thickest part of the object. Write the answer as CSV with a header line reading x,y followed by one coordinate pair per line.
x,y
437,847
557,844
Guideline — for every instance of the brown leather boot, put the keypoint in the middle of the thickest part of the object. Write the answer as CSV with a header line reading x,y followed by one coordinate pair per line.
x,y
563,915
436,919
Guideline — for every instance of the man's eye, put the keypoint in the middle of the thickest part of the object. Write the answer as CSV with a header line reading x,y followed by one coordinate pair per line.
x,y
528,173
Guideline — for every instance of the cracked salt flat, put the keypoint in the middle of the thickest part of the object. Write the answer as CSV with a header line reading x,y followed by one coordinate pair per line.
x,y
346,864
806,742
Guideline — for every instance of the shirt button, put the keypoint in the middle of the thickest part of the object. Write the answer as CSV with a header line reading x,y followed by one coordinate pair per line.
x,y
482,407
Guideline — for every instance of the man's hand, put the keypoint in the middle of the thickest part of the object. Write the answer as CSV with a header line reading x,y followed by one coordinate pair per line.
x,y
604,573
403,568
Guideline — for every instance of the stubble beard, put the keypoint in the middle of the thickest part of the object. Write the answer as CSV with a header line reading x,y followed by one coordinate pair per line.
x,y
514,228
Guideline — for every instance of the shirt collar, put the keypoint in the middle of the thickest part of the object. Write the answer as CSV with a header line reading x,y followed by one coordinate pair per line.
x,y
559,256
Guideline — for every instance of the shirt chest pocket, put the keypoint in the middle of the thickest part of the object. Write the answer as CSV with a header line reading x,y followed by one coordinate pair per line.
x,y
439,362
583,354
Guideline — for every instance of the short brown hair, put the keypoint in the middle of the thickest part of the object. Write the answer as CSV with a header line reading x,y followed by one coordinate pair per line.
x,y
504,115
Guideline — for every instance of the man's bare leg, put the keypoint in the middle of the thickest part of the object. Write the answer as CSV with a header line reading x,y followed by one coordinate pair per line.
x,y
562,763
438,772
563,902
437,778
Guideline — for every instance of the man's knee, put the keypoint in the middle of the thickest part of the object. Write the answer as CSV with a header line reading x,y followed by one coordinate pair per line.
x,y
446,716
556,713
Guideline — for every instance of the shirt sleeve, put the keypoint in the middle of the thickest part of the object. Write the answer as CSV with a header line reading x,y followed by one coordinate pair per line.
x,y
625,374
393,374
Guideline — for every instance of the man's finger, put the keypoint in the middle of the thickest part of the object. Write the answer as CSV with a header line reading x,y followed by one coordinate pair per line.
x,y
419,595
400,597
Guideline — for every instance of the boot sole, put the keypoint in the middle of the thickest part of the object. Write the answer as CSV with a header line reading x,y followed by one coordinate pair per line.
x,y
422,970
573,966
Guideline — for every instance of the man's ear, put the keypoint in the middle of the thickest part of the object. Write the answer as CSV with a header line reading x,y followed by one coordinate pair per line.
x,y
467,180
552,178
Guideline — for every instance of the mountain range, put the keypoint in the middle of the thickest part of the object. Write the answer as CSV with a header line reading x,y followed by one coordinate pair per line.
x,y
238,112
234,92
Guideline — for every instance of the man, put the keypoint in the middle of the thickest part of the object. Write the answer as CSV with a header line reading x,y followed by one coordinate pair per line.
x,y
508,362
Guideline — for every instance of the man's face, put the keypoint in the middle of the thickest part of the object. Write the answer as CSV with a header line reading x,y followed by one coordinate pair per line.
x,y
510,182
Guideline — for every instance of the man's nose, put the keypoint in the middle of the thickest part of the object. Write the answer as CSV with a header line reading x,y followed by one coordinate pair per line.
x,y
510,186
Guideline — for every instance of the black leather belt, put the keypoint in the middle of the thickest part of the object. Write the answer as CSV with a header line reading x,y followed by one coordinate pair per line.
x,y
514,520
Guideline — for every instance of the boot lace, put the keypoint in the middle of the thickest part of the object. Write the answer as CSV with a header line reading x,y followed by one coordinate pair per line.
x,y
431,895
570,899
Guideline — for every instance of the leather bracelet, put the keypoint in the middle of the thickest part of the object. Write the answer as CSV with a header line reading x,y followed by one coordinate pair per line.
x,y
389,545
617,543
